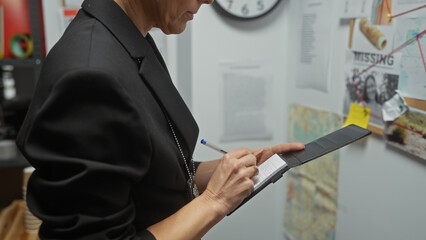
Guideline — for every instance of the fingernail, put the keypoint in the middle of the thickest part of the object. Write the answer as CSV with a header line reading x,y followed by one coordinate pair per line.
x,y
257,171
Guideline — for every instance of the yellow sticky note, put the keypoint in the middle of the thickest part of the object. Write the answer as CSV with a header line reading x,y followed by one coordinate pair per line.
x,y
358,115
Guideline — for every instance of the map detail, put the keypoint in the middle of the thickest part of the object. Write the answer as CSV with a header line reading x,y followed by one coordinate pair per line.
x,y
311,197
412,80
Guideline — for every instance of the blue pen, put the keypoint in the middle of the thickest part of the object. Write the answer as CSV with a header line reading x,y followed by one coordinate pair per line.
x,y
213,146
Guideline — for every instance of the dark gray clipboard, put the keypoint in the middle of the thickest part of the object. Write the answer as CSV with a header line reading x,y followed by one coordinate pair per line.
x,y
313,150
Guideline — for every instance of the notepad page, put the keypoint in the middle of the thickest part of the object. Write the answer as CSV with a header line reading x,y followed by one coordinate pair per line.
x,y
268,169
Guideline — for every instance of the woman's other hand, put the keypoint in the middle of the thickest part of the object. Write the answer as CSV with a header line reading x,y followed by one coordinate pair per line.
x,y
262,154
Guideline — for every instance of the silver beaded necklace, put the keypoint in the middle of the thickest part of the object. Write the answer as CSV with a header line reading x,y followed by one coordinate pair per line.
x,y
190,183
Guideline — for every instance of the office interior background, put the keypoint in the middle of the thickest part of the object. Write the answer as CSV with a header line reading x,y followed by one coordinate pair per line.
x,y
380,191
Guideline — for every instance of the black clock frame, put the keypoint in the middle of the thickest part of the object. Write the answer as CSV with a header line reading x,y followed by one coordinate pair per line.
x,y
222,10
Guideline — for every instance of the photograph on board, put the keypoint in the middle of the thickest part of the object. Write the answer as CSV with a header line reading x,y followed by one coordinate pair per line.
x,y
408,132
372,88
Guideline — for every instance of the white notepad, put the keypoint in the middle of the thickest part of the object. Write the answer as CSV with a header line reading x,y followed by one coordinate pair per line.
x,y
268,169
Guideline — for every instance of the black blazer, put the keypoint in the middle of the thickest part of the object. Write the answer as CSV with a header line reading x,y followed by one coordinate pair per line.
x,y
107,165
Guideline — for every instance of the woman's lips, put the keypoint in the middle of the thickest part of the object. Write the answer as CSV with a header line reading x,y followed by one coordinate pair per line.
x,y
190,15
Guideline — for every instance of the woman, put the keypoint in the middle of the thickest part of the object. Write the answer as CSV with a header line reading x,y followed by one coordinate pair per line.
x,y
370,90
112,140
371,98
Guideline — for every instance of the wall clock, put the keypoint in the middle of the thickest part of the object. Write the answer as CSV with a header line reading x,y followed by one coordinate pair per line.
x,y
245,9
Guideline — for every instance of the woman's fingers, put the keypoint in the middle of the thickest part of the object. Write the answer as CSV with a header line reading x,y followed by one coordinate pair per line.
x,y
262,154
248,172
231,182
238,153
248,160
240,159
286,147
256,171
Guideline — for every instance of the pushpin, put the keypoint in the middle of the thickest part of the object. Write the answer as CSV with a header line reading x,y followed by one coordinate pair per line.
x,y
389,15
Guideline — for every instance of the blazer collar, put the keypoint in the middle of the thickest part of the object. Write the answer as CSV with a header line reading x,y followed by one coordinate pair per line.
x,y
115,19
152,68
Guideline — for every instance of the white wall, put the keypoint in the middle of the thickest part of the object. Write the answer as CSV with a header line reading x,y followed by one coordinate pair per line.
x,y
52,27
216,38
381,189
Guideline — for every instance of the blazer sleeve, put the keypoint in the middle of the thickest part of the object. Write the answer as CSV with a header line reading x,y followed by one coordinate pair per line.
x,y
89,145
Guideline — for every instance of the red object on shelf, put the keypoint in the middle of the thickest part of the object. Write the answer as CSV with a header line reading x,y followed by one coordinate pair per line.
x,y
70,12
16,20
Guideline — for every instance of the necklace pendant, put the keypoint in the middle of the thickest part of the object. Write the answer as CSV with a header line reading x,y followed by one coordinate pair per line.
x,y
195,192
192,187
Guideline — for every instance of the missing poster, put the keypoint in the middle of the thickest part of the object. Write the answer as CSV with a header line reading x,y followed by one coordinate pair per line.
x,y
372,88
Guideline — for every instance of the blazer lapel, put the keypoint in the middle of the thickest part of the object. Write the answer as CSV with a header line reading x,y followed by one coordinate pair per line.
x,y
156,76
152,67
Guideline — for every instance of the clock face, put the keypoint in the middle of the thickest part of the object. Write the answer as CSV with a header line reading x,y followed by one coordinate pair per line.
x,y
245,9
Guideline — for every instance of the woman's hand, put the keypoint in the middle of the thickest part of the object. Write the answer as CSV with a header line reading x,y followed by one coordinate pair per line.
x,y
229,185
231,182
262,154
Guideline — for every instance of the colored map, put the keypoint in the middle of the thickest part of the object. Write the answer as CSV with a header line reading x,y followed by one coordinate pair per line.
x,y
412,80
311,199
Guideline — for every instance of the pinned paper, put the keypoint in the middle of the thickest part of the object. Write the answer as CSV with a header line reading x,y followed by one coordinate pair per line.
x,y
358,115
394,107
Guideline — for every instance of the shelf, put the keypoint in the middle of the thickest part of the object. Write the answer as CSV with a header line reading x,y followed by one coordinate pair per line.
x,y
36,22
17,161
31,62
